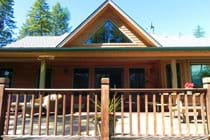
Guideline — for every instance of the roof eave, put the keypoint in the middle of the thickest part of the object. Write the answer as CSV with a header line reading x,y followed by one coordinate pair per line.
x,y
85,49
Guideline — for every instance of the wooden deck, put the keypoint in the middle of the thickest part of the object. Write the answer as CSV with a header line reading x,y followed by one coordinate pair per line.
x,y
134,113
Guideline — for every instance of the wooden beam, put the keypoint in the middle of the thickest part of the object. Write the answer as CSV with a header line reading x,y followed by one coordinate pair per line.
x,y
42,74
105,109
3,104
206,84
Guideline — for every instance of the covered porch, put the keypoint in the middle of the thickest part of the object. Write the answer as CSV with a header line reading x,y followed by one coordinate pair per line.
x,y
64,68
148,82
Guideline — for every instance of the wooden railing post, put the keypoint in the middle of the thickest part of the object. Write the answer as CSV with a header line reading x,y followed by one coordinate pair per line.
x,y
3,103
105,108
206,84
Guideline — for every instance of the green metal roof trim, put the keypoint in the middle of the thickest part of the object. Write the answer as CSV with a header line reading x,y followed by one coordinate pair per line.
x,y
85,49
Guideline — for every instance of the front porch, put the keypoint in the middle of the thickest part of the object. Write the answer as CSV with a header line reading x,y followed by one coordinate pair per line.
x,y
140,113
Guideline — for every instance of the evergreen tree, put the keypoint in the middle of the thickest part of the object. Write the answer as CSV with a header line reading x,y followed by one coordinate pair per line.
x,y
60,19
38,22
7,23
199,32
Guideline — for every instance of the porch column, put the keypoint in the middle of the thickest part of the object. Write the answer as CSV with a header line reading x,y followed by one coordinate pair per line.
x,y
174,74
42,74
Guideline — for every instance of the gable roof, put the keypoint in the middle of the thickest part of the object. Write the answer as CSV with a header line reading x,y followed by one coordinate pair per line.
x,y
107,3
37,42
53,41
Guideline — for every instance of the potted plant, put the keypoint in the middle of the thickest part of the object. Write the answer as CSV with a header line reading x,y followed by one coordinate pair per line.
x,y
114,104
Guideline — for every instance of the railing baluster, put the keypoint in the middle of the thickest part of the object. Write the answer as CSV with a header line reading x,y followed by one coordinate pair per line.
x,y
138,115
147,116
154,114
122,114
32,114
187,113
96,114
195,114
64,115
114,112
16,113
79,115
162,114
8,113
24,114
203,113
179,114
72,114
88,113
40,114
130,114
170,114
48,113
56,114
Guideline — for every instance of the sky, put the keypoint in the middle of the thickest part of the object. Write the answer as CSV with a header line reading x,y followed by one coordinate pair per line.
x,y
169,17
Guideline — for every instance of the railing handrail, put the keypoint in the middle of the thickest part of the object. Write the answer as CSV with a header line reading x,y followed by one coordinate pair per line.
x,y
157,89
112,89
152,90
52,90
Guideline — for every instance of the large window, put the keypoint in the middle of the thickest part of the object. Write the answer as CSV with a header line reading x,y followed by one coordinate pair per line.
x,y
7,73
115,75
81,78
198,71
137,78
108,33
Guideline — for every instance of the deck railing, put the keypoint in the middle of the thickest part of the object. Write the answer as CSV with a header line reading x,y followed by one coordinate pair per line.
x,y
160,112
51,111
104,112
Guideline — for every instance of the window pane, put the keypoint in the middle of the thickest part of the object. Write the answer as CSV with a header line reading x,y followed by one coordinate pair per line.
x,y
198,72
137,78
48,78
114,74
7,73
109,33
81,77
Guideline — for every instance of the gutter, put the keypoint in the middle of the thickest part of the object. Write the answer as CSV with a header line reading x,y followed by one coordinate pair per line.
x,y
111,49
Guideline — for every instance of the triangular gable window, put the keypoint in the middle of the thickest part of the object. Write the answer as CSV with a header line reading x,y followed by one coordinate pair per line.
x,y
109,33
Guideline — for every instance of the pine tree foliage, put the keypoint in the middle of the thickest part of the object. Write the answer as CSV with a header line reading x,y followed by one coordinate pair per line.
x,y
7,24
41,21
199,32
38,21
60,20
